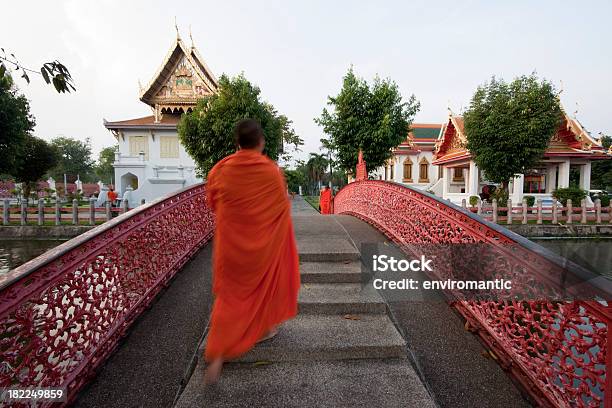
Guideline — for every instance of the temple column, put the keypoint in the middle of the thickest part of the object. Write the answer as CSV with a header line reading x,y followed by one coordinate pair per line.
x,y
445,181
585,176
564,173
397,175
517,188
551,178
473,179
466,179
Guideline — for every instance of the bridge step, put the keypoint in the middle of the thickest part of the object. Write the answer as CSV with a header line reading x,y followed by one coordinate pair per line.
x,y
313,249
349,383
331,337
345,298
326,272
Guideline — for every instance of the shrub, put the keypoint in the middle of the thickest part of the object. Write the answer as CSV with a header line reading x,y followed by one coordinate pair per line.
x,y
573,193
501,196
474,200
603,196
530,200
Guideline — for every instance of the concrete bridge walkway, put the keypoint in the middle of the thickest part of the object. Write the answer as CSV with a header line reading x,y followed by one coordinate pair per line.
x,y
341,350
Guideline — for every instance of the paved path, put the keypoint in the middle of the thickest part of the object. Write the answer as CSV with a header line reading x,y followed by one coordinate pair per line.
x,y
341,350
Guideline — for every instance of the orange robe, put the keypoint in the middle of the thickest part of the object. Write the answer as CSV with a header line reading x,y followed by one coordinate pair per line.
x,y
325,201
255,261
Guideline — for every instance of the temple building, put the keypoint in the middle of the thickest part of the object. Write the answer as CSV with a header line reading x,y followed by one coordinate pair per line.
x,y
412,161
151,162
572,147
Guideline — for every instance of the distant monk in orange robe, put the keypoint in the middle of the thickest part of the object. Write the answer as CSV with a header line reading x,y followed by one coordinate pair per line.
x,y
325,200
255,261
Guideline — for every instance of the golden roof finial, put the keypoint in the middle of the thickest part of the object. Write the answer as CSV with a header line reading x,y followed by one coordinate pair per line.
x,y
560,87
178,36
191,37
448,108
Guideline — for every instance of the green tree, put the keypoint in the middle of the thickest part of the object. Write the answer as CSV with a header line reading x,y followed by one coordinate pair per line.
x,y
207,132
16,123
316,167
295,179
104,169
74,159
601,170
372,118
35,159
509,125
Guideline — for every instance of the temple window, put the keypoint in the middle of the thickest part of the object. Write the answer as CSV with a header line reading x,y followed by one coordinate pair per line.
x,y
458,174
423,171
139,144
392,171
407,177
168,147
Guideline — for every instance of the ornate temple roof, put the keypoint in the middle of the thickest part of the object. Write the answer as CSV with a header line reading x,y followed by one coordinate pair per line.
x,y
182,78
146,122
422,136
570,140
180,81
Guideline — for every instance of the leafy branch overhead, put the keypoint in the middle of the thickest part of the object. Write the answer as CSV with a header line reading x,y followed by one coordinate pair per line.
x,y
373,118
52,72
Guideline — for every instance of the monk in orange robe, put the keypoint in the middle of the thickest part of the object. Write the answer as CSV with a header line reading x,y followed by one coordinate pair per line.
x,y
255,261
325,200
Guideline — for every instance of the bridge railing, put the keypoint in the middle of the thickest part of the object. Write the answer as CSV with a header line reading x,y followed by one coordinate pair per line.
x,y
63,313
558,350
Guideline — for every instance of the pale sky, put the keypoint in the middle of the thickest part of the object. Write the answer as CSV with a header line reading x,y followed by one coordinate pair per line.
x,y
297,53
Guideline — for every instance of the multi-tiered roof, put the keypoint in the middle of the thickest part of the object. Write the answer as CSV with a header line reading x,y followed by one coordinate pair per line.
x,y
181,80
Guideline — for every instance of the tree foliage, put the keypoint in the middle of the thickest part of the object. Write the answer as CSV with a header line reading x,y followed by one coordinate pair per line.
x,y
373,118
295,179
16,123
35,159
207,132
104,167
508,125
601,170
74,159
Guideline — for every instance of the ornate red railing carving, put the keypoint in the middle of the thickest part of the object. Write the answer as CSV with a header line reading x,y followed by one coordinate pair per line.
x,y
62,314
558,350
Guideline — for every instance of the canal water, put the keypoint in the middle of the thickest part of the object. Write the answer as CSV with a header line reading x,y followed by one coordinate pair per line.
x,y
16,252
594,254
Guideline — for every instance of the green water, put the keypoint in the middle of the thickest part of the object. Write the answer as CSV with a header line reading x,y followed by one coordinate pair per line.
x,y
594,254
16,252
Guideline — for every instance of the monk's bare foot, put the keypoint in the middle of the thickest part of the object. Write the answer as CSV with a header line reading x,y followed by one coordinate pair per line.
x,y
270,334
213,372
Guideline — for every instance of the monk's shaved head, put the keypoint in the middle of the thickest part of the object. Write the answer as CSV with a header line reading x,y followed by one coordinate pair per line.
x,y
249,134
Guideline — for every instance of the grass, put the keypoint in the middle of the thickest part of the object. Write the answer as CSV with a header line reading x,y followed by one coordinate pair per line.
x,y
313,201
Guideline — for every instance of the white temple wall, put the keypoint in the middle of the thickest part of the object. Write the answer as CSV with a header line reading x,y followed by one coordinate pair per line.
x,y
157,175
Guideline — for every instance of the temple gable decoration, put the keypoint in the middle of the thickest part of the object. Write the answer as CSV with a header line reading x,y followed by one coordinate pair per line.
x,y
182,79
452,142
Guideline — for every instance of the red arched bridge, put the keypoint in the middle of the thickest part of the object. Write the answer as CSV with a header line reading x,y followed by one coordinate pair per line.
x,y
63,313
